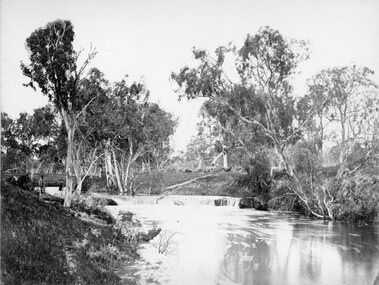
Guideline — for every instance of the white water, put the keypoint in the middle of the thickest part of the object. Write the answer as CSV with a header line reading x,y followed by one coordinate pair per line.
x,y
228,245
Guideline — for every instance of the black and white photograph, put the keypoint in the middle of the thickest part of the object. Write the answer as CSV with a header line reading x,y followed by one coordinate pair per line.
x,y
189,142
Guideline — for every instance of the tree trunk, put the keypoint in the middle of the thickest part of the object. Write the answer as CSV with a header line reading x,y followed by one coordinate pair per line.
x,y
32,172
69,167
321,139
78,170
79,177
118,178
126,180
200,164
108,164
343,141
225,159
130,158
216,159
298,189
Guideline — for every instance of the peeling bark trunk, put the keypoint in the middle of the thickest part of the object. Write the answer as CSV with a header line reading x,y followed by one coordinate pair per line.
x,y
299,188
343,141
225,160
78,171
200,164
117,172
126,180
69,160
108,164
128,166
79,177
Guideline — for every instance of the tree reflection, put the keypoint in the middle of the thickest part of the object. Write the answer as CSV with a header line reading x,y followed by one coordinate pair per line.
x,y
247,259
301,252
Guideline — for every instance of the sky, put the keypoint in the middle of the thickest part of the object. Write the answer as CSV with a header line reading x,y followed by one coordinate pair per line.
x,y
149,39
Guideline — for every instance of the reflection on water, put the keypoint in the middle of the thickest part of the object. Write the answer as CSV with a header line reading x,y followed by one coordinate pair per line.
x,y
226,245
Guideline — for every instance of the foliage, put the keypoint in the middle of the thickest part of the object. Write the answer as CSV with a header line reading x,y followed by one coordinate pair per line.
x,y
53,64
350,99
260,110
203,146
131,132
358,197
256,181
53,67
31,142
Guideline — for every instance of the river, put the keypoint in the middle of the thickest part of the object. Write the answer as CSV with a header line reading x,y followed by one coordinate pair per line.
x,y
204,244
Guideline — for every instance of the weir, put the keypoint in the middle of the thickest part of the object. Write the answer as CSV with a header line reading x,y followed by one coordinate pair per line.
x,y
181,200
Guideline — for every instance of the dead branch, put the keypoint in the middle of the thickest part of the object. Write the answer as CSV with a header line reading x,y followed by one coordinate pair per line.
x,y
172,187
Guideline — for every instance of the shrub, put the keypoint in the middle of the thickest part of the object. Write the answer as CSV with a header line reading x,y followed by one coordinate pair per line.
x,y
357,197
257,181
24,182
98,185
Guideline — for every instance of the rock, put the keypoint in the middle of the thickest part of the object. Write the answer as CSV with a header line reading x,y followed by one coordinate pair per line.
x,y
143,237
253,202
110,202
92,201
126,216
221,202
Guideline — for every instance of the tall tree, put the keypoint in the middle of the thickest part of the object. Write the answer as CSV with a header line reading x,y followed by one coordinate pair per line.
x,y
346,89
27,139
9,144
54,69
266,64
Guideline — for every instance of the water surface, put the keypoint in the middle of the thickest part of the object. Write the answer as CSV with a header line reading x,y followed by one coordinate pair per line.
x,y
204,244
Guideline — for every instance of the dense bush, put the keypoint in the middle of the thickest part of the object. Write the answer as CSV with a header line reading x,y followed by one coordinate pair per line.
x,y
256,181
98,185
24,182
282,198
357,197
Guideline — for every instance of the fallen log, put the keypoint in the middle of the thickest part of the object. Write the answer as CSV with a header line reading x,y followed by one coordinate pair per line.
x,y
172,187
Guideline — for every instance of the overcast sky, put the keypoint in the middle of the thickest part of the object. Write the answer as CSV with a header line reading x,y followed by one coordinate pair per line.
x,y
152,38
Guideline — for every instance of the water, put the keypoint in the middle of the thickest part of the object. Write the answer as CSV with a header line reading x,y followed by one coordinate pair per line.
x,y
204,244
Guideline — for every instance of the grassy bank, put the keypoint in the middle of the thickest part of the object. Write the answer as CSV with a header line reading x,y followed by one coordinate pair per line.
x,y
44,243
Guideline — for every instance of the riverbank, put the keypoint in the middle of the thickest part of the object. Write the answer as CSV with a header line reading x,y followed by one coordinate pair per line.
x,y
43,242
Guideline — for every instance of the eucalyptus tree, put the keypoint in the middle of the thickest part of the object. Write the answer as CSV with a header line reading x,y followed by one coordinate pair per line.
x,y
88,145
9,145
262,100
228,100
27,139
316,127
123,128
351,99
158,128
55,69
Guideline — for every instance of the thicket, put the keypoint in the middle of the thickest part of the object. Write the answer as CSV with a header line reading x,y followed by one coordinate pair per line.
x,y
354,188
